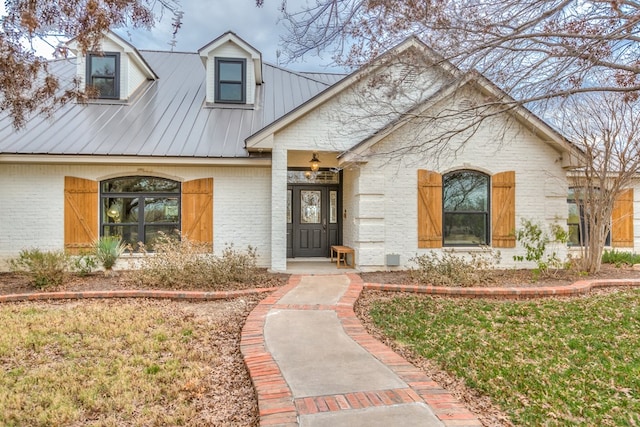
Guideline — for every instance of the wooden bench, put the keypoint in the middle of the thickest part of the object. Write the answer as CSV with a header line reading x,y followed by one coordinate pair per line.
x,y
341,255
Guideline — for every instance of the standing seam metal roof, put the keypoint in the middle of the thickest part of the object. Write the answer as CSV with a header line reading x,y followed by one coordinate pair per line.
x,y
165,117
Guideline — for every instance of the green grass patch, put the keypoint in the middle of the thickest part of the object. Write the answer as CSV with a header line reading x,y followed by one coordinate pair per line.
x,y
545,362
619,258
101,363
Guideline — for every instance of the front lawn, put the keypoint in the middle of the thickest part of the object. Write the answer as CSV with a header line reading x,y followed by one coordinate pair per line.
x,y
124,362
556,362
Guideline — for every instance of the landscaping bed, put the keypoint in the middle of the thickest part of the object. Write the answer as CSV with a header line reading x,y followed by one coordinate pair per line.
x,y
515,277
14,283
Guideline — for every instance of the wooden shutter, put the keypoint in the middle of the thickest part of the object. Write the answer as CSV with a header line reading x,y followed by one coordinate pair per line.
x,y
429,209
622,220
503,210
197,210
80,214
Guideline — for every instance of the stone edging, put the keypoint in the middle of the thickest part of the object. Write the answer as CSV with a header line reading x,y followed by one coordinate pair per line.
x,y
157,294
580,287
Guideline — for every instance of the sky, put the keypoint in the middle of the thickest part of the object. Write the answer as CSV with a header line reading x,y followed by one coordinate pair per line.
x,y
205,20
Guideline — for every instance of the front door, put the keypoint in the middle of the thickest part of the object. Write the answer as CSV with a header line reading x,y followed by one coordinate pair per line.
x,y
313,221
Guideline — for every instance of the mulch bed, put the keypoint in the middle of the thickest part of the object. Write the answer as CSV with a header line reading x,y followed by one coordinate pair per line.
x,y
13,283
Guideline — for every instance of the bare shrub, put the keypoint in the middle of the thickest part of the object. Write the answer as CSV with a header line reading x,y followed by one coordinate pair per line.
x,y
180,263
44,268
448,269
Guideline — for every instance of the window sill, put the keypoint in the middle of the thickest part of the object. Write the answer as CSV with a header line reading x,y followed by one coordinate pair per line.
x,y
106,101
468,249
230,106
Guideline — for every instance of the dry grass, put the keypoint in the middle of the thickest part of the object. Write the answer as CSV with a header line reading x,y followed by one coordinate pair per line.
x,y
124,362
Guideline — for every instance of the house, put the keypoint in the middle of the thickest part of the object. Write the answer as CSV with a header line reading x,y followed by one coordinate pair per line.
x,y
217,144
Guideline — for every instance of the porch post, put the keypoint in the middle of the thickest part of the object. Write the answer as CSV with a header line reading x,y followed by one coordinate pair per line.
x,y
279,209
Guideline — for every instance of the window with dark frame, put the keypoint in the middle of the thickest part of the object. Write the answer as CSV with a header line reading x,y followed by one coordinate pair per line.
x,y
465,202
230,80
139,208
577,222
103,74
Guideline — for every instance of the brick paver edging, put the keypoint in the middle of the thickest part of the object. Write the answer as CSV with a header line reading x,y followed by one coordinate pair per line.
x,y
157,294
275,399
578,288
449,410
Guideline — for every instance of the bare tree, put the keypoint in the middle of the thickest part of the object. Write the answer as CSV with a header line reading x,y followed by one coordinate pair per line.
x,y
572,61
533,49
25,82
606,127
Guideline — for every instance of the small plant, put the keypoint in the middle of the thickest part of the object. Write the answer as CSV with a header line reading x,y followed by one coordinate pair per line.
x,y
84,264
448,269
620,258
107,251
537,243
45,268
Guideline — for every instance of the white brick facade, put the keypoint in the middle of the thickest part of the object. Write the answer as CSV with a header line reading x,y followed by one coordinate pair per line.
x,y
354,126
380,191
33,201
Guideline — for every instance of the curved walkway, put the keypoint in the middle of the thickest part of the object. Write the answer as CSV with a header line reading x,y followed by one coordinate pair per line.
x,y
298,345
313,364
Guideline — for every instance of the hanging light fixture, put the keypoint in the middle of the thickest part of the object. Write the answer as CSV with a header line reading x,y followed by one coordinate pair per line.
x,y
315,162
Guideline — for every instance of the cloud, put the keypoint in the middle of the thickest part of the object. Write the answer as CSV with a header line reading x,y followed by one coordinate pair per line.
x,y
205,20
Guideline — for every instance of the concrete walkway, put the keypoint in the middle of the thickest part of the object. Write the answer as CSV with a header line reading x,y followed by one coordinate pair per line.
x,y
314,365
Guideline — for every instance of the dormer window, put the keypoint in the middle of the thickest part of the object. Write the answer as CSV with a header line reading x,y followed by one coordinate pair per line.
x,y
103,73
230,80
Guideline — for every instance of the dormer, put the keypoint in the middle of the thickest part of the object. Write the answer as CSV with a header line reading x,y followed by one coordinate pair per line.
x,y
233,69
116,70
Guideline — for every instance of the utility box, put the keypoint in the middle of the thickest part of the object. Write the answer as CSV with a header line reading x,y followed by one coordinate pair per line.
x,y
393,260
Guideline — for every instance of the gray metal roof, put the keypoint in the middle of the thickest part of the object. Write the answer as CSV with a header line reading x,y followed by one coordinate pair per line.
x,y
166,117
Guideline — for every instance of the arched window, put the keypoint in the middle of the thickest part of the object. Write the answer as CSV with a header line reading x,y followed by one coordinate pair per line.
x,y
465,201
136,208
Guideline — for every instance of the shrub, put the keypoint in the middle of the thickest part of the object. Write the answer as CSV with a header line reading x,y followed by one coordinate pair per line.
x,y
538,245
448,269
45,268
620,258
84,264
107,250
182,262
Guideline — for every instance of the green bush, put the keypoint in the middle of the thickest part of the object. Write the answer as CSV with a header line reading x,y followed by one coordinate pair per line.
x,y
107,250
619,258
45,268
448,269
179,263
539,246
84,264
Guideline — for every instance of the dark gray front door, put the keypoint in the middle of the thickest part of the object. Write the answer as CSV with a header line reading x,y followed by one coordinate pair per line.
x,y
314,222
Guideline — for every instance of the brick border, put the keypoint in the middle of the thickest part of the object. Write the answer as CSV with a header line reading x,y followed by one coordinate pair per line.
x,y
275,399
449,410
580,287
157,294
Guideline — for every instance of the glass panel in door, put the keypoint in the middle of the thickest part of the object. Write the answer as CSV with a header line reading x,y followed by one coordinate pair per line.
x,y
310,206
